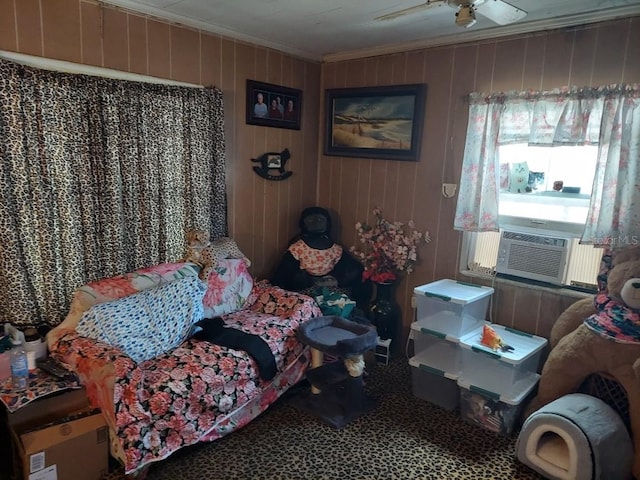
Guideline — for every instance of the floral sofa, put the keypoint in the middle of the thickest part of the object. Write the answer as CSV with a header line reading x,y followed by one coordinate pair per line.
x,y
161,389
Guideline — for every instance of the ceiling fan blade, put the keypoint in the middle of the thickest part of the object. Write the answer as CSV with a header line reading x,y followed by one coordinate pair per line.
x,y
500,12
407,11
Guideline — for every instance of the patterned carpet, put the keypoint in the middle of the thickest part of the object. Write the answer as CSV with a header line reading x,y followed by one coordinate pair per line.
x,y
403,438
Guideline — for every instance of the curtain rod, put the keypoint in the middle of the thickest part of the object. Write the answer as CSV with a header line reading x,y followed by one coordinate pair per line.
x,y
70,67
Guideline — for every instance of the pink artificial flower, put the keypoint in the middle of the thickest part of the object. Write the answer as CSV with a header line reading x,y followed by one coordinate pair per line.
x,y
388,248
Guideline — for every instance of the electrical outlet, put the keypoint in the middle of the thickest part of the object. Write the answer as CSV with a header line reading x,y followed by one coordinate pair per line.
x,y
413,301
449,189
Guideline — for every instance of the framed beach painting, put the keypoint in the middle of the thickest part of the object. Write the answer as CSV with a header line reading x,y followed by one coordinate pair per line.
x,y
375,122
273,106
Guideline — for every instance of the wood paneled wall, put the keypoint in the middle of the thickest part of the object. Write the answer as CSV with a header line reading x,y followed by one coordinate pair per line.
x,y
590,55
263,215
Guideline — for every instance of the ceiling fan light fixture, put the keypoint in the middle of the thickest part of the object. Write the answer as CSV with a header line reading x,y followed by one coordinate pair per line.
x,y
465,16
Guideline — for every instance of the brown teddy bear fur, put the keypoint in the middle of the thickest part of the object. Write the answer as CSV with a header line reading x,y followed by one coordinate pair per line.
x,y
577,352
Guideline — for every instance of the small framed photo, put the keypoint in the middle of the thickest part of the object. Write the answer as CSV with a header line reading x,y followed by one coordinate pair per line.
x,y
273,106
274,161
375,122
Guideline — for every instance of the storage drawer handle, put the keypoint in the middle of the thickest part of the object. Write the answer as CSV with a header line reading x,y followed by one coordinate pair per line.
x,y
435,371
488,354
484,392
437,295
518,332
433,333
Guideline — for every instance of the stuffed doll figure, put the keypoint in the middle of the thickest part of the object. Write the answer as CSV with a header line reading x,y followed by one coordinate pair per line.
x,y
314,259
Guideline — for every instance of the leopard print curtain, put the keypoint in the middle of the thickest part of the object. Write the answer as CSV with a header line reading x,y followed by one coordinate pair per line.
x,y
99,177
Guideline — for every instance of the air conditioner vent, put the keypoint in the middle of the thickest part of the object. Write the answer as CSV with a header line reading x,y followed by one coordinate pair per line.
x,y
529,259
537,257
525,237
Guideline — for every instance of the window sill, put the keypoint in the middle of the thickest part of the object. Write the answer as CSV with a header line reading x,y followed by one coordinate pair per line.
x,y
523,283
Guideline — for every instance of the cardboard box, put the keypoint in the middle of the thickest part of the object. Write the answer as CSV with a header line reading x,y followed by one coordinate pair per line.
x,y
63,440
77,449
48,409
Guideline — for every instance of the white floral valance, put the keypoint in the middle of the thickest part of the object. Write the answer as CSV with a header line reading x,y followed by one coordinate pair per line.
x,y
560,117
605,116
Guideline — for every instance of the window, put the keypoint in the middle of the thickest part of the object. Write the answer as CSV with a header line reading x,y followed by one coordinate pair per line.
x,y
546,183
499,125
545,191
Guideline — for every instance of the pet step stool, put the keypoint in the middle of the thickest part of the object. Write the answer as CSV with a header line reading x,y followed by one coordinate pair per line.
x,y
576,437
336,396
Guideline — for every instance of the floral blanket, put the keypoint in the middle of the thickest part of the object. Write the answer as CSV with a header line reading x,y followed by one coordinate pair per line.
x,y
196,392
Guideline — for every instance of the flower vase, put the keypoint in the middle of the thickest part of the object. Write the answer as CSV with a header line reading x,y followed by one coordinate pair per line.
x,y
384,311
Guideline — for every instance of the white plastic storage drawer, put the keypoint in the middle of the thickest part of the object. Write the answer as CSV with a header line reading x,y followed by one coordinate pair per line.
x,y
451,308
495,411
424,338
498,371
435,372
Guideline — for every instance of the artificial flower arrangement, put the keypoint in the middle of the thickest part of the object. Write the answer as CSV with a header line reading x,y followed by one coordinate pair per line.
x,y
388,248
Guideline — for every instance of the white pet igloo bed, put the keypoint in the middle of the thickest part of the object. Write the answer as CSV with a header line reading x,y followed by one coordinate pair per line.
x,y
576,437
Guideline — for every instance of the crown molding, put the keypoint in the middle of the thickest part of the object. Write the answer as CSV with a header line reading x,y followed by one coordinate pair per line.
x,y
164,15
472,35
490,33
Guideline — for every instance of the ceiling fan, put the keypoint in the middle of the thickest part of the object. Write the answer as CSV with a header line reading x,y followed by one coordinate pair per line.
x,y
498,11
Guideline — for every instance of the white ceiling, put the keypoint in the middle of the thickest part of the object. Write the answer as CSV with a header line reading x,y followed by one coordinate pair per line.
x,y
332,30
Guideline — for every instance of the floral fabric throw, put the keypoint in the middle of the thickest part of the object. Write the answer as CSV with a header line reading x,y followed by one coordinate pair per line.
x,y
197,391
606,116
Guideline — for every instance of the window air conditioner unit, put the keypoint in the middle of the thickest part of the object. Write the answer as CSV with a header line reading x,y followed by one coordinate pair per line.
x,y
537,257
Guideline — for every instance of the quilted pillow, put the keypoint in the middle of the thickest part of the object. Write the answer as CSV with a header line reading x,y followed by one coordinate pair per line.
x,y
112,288
133,282
210,254
149,323
229,285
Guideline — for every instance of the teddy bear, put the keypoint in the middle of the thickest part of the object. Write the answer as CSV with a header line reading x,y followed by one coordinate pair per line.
x,y
600,335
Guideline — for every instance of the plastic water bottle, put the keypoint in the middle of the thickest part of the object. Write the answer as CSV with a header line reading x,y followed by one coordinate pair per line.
x,y
19,365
